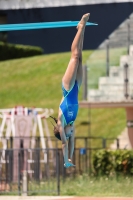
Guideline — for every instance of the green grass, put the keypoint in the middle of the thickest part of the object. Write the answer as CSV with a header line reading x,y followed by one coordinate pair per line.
x,y
98,187
36,81
82,185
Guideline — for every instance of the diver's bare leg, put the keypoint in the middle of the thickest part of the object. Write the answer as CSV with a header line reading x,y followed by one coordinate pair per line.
x,y
71,71
79,70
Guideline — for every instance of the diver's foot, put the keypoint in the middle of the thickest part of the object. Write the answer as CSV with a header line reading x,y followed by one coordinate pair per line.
x,y
83,20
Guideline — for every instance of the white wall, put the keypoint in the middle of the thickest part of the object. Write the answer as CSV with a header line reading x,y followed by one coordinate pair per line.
x,y
16,4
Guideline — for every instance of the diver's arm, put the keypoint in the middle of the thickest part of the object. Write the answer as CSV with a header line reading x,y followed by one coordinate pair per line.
x,y
63,139
71,145
64,143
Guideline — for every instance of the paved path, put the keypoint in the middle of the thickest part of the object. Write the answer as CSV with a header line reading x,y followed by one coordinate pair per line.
x,y
61,198
99,198
123,140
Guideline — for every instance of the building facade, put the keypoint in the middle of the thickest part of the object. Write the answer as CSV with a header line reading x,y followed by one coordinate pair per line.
x,y
108,14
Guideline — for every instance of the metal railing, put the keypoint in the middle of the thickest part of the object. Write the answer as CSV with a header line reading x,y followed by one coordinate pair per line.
x,y
11,141
30,171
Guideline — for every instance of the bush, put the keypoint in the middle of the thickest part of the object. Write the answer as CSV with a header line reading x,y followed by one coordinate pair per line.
x,y
123,162
107,162
12,51
102,162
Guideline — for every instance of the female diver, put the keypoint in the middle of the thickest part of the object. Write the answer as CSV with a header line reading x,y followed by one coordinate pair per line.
x,y
71,82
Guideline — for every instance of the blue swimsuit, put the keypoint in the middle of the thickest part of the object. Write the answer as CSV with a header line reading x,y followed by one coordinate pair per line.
x,y
69,105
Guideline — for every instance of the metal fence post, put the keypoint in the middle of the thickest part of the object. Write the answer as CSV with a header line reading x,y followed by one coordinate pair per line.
x,y
79,163
86,159
128,35
58,171
117,143
19,173
74,156
90,160
11,142
85,80
126,80
107,57
37,164
10,168
104,143
6,161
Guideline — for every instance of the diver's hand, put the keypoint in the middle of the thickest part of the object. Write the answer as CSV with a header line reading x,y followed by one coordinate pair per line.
x,y
68,164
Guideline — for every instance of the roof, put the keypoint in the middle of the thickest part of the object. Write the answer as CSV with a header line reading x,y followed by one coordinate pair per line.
x,y
25,4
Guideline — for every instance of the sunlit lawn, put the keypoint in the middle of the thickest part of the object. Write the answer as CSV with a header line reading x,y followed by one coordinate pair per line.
x,y
82,185
36,81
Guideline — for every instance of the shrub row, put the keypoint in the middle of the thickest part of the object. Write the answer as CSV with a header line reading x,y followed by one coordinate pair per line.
x,y
107,162
12,51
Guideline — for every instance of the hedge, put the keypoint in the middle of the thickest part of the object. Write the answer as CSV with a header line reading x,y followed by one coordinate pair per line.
x,y
108,162
12,51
